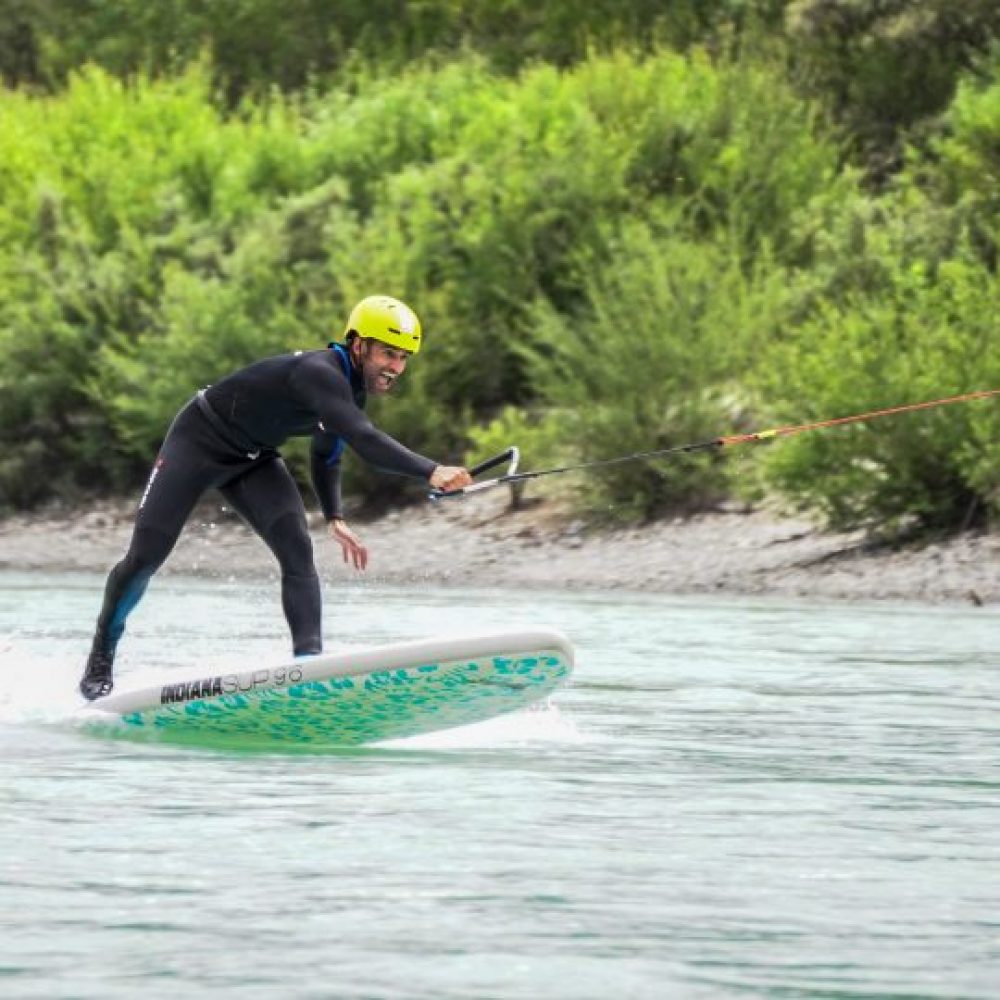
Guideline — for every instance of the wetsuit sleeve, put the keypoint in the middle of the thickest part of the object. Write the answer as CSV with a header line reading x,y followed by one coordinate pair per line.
x,y
328,395
325,469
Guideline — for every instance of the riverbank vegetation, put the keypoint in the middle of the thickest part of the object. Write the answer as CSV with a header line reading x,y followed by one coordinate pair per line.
x,y
625,226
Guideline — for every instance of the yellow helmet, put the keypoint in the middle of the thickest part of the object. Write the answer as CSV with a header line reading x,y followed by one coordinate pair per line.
x,y
388,320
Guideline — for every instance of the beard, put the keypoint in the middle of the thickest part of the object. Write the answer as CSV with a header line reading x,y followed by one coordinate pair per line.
x,y
379,382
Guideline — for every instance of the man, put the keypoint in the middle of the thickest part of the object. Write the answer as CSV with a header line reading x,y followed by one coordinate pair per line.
x,y
228,437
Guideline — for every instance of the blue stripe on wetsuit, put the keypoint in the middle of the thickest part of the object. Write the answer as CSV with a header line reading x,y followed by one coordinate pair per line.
x,y
126,604
339,444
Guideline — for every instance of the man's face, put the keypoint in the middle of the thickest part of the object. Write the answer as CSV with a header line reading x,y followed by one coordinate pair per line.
x,y
381,365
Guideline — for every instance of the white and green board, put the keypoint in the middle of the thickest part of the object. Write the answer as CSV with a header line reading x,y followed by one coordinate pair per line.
x,y
347,698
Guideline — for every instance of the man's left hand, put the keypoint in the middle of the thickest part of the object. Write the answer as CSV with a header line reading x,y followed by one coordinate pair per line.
x,y
353,548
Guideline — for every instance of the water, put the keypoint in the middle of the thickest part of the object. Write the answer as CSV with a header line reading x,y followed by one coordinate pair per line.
x,y
734,799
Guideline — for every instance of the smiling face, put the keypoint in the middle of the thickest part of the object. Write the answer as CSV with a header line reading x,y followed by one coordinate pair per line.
x,y
380,365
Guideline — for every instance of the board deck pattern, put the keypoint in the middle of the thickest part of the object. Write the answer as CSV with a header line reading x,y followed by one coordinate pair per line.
x,y
351,710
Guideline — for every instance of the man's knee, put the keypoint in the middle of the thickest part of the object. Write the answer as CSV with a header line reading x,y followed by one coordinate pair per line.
x,y
288,538
147,553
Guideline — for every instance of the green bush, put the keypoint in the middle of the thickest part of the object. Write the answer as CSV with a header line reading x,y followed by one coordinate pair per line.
x,y
617,256
962,170
543,438
886,68
927,335
259,45
652,361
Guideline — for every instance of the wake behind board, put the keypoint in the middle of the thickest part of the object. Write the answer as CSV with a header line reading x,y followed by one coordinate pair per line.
x,y
346,698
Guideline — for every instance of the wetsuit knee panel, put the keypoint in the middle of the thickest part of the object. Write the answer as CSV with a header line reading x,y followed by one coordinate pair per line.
x,y
288,538
147,552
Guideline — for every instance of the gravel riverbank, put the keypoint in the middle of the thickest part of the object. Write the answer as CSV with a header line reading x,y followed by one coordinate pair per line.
x,y
480,542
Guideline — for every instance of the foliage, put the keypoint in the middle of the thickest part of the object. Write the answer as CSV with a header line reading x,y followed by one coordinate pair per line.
x,y
543,438
652,362
963,169
614,247
930,332
258,45
887,67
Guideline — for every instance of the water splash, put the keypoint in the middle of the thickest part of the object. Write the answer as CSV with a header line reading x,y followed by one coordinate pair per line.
x,y
41,688
34,688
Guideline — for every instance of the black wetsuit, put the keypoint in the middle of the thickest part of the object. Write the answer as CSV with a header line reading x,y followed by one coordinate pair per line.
x,y
227,437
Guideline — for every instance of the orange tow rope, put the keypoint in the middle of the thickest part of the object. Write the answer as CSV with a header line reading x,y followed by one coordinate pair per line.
x,y
857,418
719,442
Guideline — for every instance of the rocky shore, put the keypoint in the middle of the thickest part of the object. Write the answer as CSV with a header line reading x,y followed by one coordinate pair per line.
x,y
479,541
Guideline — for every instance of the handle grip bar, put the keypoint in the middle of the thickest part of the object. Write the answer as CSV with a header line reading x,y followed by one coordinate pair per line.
x,y
512,456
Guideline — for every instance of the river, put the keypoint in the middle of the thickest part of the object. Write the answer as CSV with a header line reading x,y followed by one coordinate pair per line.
x,y
733,798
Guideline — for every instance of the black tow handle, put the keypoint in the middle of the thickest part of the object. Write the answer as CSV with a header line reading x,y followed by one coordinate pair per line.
x,y
511,456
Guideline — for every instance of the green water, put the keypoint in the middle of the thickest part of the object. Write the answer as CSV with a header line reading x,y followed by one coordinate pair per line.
x,y
733,799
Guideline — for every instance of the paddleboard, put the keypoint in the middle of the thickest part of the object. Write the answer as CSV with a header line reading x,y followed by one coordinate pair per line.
x,y
345,698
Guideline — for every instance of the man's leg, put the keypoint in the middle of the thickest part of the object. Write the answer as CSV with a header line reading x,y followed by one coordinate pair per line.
x,y
267,498
179,477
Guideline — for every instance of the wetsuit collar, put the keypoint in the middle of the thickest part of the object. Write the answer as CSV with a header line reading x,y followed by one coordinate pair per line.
x,y
351,372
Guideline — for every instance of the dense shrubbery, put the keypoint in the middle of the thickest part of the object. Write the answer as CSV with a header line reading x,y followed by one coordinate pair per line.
x,y
886,68
629,253
259,44
656,359
929,333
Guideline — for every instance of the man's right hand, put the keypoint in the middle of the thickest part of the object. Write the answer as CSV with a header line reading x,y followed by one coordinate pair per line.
x,y
450,477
